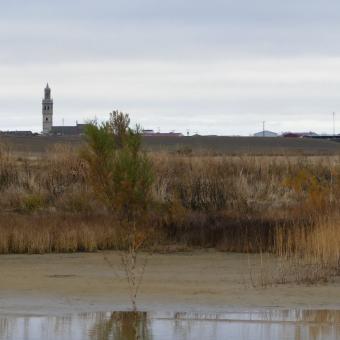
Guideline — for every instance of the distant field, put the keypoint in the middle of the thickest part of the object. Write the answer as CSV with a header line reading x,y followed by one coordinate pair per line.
x,y
214,144
37,144
245,145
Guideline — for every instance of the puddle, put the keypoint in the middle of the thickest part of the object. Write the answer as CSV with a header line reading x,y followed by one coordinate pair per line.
x,y
253,324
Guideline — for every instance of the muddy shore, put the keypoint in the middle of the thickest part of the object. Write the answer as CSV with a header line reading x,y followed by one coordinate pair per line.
x,y
188,281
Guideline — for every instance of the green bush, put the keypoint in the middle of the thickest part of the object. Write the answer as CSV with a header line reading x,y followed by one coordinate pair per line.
x,y
120,173
33,202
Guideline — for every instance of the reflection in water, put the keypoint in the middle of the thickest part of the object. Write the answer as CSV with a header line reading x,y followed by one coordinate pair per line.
x,y
253,324
122,326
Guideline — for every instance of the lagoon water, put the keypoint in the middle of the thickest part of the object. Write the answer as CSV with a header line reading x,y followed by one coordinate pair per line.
x,y
243,324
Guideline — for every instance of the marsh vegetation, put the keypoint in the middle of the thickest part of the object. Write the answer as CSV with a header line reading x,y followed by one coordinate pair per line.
x,y
68,201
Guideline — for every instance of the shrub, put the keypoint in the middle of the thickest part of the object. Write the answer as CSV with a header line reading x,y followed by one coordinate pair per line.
x,y
33,202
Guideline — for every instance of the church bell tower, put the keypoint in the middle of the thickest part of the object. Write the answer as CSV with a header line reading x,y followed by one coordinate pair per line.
x,y
47,111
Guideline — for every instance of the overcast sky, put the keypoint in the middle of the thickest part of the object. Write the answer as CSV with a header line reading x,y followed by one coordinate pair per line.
x,y
213,67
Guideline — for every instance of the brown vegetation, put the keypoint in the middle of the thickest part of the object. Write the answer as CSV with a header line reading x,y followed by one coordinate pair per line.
x,y
284,205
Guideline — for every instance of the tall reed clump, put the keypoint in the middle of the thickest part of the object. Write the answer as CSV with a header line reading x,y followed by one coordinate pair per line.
x,y
313,252
64,172
121,176
39,234
8,170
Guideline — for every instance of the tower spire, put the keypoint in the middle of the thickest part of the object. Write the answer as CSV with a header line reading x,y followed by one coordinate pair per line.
x,y
47,111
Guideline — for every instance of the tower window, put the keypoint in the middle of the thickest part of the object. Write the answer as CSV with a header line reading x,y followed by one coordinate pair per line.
x,y
48,107
46,119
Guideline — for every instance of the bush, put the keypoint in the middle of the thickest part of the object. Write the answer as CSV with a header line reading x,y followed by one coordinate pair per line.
x,y
118,170
33,202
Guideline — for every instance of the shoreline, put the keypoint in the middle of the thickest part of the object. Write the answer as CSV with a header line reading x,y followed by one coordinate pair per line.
x,y
205,281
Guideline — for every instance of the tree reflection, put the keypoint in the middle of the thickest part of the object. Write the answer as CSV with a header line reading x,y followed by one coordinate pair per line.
x,y
122,326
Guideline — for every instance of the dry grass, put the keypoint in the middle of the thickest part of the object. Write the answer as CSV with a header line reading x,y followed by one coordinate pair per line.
x,y
269,271
45,234
283,205
313,252
303,255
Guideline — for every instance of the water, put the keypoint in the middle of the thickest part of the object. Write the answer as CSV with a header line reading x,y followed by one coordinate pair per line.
x,y
254,324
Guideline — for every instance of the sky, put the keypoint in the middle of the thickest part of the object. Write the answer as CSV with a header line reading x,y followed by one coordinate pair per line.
x,y
208,67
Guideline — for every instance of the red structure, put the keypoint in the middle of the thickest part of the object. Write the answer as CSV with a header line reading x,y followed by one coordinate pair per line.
x,y
298,134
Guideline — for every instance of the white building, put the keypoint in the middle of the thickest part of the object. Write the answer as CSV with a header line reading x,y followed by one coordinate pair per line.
x,y
265,133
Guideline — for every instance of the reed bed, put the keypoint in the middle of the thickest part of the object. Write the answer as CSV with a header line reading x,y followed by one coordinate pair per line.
x,y
43,234
286,205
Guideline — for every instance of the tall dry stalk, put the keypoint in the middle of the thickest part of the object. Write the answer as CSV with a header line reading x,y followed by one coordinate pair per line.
x,y
313,252
133,271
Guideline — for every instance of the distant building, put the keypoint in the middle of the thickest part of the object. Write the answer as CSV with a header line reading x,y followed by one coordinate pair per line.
x,y
152,133
17,133
299,134
265,133
47,115
78,129
148,132
323,136
47,111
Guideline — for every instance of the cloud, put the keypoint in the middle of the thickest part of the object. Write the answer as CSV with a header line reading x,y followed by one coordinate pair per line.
x,y
41,31
223,97
218,67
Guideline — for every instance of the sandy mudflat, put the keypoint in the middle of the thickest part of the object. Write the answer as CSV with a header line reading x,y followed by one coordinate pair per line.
x,y
200,280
